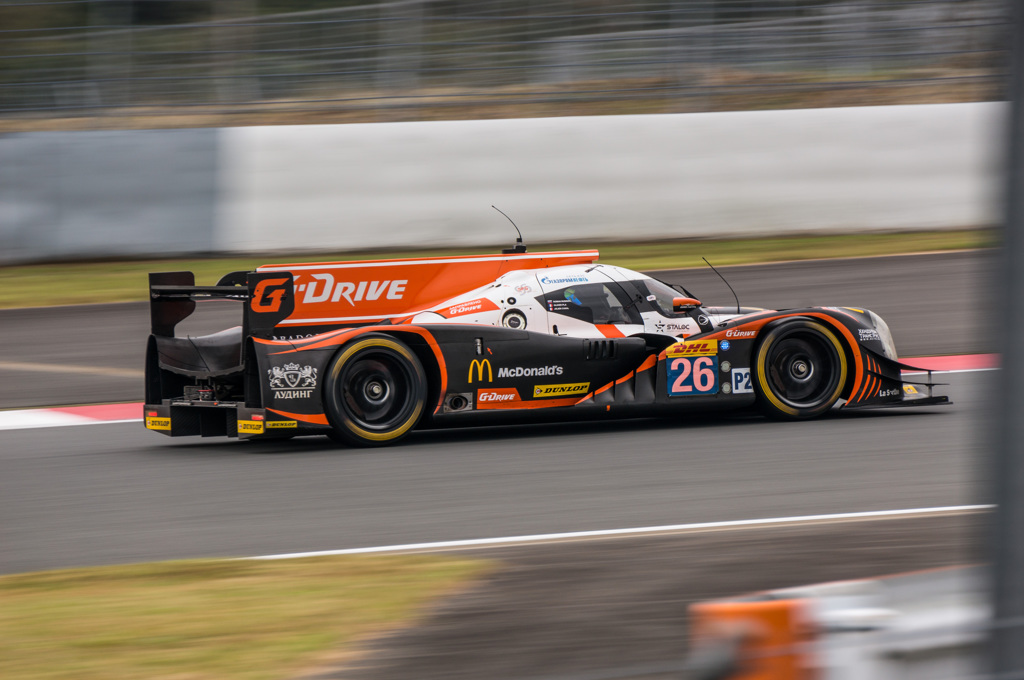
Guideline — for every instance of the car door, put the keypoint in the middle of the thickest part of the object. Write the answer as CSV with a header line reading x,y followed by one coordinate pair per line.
x,y
589,305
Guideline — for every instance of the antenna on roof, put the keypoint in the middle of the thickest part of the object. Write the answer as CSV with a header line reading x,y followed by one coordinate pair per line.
x,y
726,283
520,247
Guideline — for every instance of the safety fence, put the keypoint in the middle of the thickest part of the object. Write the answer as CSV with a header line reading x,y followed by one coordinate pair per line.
x,y
421,59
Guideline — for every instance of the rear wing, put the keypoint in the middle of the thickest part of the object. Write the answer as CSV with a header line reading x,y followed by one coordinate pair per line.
x,y
268,297
298,300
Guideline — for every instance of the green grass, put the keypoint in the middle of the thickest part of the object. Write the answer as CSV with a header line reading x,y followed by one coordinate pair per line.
x,y
123,281
217,620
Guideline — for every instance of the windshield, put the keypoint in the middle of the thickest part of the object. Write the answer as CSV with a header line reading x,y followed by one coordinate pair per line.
x,y
663,294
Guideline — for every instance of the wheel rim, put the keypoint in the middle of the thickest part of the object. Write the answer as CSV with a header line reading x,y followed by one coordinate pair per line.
x,y
377,391
803,369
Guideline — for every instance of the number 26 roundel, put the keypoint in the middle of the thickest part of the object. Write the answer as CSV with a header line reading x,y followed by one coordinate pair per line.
x,y
690,376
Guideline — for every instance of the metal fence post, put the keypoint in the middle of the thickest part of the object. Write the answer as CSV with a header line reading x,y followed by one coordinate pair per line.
x,y
1008,461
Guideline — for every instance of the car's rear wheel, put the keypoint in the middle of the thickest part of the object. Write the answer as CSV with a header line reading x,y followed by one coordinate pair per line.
x,y
799,370
375,391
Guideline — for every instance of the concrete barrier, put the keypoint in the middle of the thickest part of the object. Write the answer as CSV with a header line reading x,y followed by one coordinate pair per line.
x,y
100,194
316,187
614,177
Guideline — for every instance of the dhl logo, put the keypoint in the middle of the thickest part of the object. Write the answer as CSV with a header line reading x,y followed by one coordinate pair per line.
x,y
693,348
567,390
479,365
250,426
158,423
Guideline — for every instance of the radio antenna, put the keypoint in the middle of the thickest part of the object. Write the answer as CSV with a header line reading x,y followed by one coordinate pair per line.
x,y
520,247
726,283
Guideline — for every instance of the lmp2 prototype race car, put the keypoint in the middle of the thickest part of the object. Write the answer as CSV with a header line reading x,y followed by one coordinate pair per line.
x,y
365,352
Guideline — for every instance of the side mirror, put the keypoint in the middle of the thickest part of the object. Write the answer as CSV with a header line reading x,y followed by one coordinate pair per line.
x,y
684,304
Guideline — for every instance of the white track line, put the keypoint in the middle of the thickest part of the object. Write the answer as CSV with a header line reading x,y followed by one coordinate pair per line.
x,y
701,527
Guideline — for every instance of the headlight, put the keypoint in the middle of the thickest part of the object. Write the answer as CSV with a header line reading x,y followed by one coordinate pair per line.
x,y
888,346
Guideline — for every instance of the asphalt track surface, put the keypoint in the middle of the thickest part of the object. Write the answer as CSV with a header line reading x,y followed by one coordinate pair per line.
x,y
101,494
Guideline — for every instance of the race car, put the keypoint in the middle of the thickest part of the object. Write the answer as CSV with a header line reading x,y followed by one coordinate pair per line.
x,y
367,351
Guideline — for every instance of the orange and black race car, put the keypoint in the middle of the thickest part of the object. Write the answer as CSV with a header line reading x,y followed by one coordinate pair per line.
x,y
365,352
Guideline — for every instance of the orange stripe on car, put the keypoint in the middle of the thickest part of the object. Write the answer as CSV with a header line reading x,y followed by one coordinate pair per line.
x,y
649,362
313,418
609,330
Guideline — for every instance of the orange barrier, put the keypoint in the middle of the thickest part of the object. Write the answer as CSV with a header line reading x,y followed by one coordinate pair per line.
x,y
771,637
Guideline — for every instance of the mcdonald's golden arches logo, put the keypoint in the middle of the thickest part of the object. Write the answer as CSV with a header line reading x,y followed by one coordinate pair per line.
x,y
479,365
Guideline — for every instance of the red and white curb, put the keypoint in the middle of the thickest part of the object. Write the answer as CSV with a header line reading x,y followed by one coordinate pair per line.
x,y
70,415
23,419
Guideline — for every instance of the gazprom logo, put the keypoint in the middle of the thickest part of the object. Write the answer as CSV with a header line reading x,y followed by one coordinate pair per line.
x,y
572,278
479,365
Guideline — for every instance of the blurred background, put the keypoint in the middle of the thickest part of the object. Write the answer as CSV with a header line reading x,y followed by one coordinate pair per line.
x,y
188,62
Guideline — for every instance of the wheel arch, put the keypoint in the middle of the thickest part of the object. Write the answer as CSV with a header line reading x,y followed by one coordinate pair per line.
x,y
850,353
423,346
771,403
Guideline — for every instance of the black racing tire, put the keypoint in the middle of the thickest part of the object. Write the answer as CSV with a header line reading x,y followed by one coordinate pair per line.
x,y
375,392
800,369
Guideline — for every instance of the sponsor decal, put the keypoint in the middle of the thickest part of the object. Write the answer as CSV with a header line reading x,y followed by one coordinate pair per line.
x,y
703,320
725,345
523,289
291,337
267,295
471,307
740,379
323,288
520,372
662,326
693,348
158,423
497,397
867,334
910,389
281,424
292,381
894,392
479,365
567,390
570,278
250,426
692,375
734,333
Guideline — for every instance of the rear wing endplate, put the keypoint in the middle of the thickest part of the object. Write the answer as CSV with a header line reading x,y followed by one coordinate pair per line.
x,y
269,298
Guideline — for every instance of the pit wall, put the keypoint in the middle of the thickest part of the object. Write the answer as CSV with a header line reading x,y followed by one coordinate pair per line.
x,y
579,179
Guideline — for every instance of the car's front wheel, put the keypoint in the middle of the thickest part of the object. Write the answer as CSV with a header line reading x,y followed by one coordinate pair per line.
x,y
375,391
800,370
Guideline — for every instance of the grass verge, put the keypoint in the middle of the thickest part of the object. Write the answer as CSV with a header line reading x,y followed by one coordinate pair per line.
x,y
199,619
124,281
